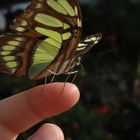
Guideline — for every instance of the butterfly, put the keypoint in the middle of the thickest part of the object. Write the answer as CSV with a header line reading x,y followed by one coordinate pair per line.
x,y
45,40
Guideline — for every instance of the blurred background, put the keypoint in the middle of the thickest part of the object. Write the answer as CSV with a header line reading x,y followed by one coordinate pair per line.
x,y
109,108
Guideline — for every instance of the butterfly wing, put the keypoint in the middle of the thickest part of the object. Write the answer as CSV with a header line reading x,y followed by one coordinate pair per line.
x,y
83,47
51,31
14,51
88,43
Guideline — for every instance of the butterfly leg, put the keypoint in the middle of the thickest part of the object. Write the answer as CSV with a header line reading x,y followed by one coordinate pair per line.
x,y
70,73
75,75
52,80
82,67
52,72
45,81
54,75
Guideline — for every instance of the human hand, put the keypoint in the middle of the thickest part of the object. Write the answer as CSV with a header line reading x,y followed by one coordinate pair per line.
x,y
20,112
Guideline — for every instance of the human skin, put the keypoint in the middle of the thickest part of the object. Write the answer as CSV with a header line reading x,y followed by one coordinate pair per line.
x,y
22,111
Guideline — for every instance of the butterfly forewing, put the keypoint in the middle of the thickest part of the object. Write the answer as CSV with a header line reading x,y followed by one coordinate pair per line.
x,y
83,47
88,43
50,32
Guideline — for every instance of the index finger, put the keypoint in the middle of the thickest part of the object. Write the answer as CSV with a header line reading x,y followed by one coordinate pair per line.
x,y
22,111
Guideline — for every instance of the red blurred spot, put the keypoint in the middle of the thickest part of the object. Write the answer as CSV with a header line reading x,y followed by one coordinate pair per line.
x,y
102,109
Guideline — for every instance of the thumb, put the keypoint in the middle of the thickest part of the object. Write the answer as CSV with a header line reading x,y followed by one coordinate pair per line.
x,y
48,132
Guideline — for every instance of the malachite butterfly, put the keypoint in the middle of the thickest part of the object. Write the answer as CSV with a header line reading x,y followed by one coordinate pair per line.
x,y
44,40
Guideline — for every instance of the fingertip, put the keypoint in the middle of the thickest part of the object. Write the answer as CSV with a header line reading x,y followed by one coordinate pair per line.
x,y
35,105
63,95
62,90
55,98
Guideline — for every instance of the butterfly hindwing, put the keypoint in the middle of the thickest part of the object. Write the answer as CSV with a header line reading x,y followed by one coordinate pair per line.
x,y
15,54
44,40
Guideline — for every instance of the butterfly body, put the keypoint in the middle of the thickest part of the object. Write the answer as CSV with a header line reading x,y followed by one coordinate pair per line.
x,y
44,40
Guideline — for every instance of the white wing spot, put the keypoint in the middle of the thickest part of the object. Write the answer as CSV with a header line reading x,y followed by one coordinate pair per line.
x,y
91,39
39,5
79,22
20,29
96,42
24,23
82,45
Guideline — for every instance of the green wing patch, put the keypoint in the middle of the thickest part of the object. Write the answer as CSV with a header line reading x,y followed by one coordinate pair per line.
x,y
43,56
44,34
